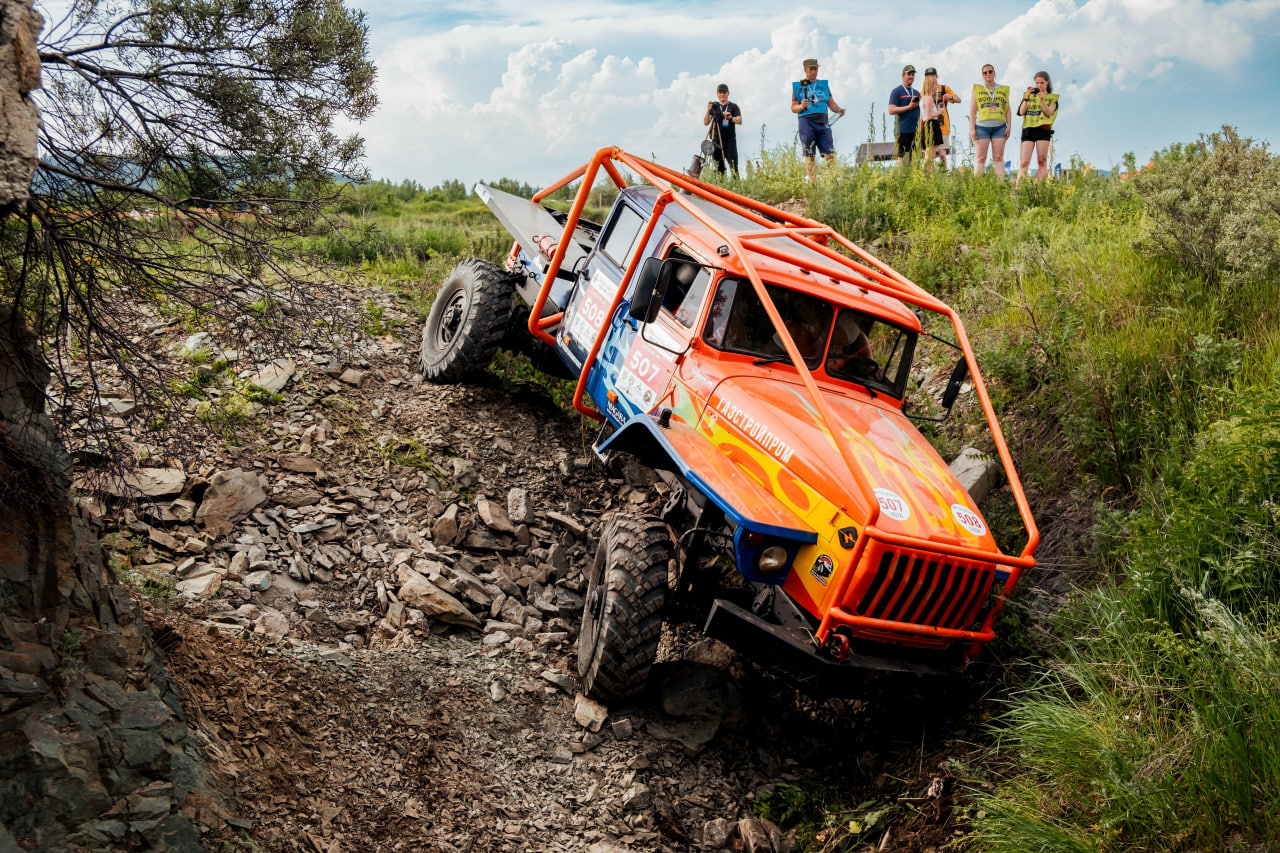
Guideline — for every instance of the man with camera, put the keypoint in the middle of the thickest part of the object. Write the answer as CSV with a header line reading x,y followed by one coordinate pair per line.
x,y
904,104
811,100
726,116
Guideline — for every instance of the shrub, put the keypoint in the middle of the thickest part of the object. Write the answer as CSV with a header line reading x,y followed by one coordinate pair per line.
x,y
1214,206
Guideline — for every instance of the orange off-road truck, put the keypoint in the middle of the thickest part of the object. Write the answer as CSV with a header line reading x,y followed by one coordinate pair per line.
x,y
759,362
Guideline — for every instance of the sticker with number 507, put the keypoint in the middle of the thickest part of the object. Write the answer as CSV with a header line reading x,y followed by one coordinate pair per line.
x,y
644,374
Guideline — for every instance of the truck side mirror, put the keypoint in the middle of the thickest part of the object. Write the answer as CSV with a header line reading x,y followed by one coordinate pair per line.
x,y
650,290
953,385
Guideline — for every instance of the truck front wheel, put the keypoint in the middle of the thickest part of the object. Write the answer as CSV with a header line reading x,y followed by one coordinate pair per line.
x,y
467,321
622,618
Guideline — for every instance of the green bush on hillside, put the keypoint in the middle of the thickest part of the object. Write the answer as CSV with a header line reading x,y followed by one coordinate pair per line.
x,y
1161,727
1215,207
1207,530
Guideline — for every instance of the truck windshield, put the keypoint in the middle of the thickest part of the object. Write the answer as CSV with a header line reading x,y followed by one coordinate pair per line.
x,y
864,349
870,352
738,322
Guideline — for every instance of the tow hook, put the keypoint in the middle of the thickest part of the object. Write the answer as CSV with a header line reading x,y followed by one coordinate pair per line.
x,y
837,645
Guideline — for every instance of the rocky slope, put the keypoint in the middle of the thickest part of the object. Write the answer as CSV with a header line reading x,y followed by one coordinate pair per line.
x,y
369,597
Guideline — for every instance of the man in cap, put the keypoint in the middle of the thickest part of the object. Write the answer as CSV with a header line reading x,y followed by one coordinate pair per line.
x,y
811,100
727,117
904,105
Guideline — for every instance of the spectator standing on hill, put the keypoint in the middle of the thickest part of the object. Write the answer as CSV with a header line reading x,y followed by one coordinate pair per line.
x,y
945,95
726,116
1038,109
989,120
930,117
904,105
811,100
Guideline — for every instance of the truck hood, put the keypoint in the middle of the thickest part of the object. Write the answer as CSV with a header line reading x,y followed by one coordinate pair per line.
x,y
772,421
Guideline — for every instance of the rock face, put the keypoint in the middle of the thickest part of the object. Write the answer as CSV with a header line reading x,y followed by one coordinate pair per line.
x,y
91,728
19,118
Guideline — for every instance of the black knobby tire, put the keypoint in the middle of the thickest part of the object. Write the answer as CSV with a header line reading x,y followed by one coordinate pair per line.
x,y
622,618
467,321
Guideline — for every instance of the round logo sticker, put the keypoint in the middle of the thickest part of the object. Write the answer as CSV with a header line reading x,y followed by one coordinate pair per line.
x,y
892,504
968,519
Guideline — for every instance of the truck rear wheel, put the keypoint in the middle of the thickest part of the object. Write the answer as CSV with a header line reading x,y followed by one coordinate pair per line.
x,y
467,321
622,618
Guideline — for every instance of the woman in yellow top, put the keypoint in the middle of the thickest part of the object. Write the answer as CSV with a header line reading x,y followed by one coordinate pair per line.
x,y
989,120
1038,109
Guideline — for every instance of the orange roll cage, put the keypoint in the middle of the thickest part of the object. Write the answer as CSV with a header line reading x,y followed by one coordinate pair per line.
x,y
863,270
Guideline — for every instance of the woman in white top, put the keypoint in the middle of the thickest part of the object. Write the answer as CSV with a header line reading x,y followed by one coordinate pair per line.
x,y
930,117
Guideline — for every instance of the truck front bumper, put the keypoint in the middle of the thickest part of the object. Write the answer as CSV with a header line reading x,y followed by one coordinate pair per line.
x,y
791,652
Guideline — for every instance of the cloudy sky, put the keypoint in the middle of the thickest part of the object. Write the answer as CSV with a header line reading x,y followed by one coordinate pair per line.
x,y
482,89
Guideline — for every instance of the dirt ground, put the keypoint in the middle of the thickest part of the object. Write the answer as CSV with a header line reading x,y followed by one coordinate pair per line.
x,y
350,735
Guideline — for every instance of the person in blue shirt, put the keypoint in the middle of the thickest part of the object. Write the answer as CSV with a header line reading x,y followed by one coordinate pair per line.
x,y
904,105
811,100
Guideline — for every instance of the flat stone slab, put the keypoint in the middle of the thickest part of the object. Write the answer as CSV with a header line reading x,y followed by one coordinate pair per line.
x,y
231,496
430,599
274,376
148,482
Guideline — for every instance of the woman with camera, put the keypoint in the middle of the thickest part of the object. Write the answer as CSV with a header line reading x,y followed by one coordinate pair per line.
x,y
1038,109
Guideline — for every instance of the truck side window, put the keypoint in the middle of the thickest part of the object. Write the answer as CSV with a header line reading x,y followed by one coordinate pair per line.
x,y
687,289
620,243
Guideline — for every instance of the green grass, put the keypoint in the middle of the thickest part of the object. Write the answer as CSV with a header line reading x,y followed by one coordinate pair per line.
x,y
377,323
226,415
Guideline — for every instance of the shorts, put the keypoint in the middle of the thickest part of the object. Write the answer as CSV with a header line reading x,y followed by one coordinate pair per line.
x,y
814,135
906,141
1037,134
931,132
998,131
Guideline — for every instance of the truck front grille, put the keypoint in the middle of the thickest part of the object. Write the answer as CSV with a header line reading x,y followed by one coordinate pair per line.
x,y
927,589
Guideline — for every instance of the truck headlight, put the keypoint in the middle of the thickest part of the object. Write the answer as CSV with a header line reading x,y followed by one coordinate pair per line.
x,y
772,559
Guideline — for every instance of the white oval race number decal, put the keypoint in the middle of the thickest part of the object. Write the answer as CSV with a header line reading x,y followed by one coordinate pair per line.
x,y
968,519
892,504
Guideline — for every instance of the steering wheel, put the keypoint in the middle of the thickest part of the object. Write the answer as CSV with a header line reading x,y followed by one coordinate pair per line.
x,y
859,366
